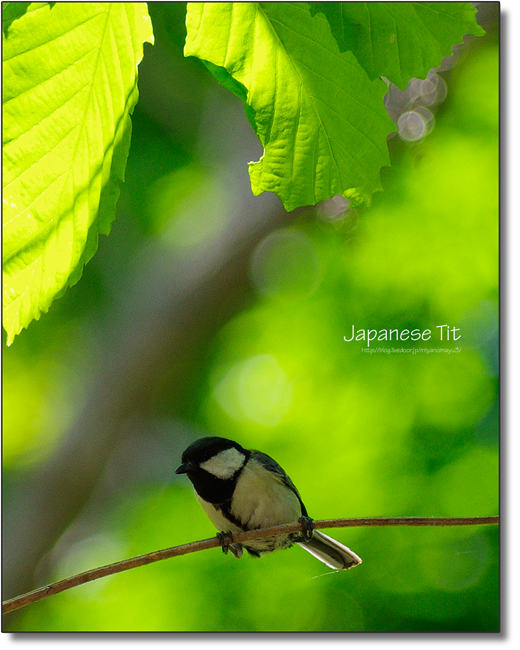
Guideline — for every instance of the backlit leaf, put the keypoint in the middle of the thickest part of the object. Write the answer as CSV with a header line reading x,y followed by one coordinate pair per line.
x,y
319,117
69,86
399,40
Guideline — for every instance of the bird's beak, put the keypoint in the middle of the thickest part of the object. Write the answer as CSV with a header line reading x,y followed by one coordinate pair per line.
x,y
184,468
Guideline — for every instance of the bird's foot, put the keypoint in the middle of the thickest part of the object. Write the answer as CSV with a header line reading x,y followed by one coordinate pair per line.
x,y
308,527
225,538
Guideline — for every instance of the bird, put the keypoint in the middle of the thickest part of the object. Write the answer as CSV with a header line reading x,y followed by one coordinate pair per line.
x,y
244,489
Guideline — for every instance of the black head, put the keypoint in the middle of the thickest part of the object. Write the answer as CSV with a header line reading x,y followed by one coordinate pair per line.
x,y
213,465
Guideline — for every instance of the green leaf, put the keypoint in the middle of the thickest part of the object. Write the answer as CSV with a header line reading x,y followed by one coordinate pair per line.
x,y
399,40
70,84
320,119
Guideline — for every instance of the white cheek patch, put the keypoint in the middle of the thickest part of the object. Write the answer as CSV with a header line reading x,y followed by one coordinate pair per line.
x,y
225,463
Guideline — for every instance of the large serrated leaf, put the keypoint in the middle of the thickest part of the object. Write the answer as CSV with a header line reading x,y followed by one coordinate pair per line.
x,y
320,119
399,40
70,84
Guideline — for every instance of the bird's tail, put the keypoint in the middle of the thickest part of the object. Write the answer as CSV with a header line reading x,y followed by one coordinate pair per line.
x,y
330,552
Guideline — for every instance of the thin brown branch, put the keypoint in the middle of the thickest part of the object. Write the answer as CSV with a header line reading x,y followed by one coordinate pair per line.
x,y
87,576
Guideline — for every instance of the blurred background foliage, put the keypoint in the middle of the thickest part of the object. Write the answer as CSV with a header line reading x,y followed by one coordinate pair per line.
x,y
264,362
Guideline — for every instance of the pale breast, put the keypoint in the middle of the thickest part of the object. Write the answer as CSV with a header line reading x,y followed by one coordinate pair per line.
x,y
216,517
261,499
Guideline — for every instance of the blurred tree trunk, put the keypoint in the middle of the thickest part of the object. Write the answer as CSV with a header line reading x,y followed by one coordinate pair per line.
x,y
181,300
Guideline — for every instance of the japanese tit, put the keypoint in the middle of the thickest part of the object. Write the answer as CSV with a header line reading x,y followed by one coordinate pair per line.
x,y
241,489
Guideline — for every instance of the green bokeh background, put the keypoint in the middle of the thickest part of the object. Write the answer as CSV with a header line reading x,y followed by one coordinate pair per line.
x,y
379,434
